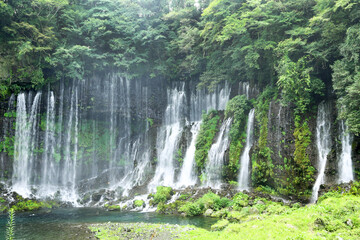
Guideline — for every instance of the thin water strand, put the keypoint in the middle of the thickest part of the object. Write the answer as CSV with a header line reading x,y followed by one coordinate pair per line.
x,y
245,157
346,172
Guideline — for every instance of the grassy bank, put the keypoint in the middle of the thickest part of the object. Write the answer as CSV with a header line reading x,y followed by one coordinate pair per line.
x,y
334,217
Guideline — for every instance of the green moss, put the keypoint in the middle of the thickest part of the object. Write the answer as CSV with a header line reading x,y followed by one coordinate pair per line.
x,y
204,140
7,145
31,205
221,213
112,207
262,166
179,156
302,171
150,121
236,108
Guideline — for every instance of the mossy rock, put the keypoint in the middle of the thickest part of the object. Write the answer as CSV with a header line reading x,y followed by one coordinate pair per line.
x,y
221,213
32,205
208,212
112,207
139,203
235,216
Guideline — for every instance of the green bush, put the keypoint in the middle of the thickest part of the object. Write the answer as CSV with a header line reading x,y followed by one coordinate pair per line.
x,y
213,201
162,195
240,200
139,203
209,201
184,196
191,209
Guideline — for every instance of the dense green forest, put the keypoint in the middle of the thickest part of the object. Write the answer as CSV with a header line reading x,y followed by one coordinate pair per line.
x,y
305,48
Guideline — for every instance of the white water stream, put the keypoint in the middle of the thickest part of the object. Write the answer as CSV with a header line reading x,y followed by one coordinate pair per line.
x,y
215,162
346,173
323,144
245,157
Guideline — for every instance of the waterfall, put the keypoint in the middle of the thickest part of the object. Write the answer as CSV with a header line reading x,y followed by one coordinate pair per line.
x,y
197,4
245,157
69,167
187,175
244,89
25,144
323,143
215,162
167,140
100,134
113,123
49,173
247,90
202,101
346,173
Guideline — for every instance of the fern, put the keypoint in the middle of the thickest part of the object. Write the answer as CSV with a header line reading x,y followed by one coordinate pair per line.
x,y
10,227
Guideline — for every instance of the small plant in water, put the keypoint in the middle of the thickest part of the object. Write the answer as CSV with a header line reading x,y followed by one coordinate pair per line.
x,y
10,227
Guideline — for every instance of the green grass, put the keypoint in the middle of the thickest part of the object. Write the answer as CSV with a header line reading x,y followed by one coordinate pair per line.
x,y
335,217
332,218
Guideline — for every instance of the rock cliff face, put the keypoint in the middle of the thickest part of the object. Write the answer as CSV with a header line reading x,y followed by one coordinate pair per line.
x,y
110,133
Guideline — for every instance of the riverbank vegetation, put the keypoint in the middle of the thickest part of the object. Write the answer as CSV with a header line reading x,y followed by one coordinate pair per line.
x,y
334,216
